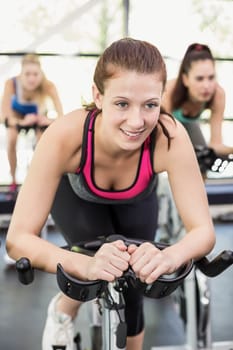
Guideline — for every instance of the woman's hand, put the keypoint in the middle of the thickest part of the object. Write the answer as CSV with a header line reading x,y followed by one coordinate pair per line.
x,y
149,263
43,120
29,120
109,262
221,149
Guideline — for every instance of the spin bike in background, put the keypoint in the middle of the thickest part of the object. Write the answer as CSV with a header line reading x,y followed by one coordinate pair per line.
x,y
109,295
194,297
198,314
209,160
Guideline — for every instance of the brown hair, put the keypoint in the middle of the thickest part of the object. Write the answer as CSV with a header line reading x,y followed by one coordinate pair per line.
x,y
129,54
194,52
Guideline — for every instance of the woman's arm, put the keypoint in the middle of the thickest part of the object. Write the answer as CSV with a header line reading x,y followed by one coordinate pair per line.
x,y
191,201
58,152
189,192
51,159
6,110
53,93
216,120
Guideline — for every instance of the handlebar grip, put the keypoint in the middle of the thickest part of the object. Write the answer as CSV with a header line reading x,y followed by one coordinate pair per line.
x,y
217,265
78,289
25,271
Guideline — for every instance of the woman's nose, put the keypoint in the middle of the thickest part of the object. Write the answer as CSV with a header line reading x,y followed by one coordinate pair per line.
x,y
135,119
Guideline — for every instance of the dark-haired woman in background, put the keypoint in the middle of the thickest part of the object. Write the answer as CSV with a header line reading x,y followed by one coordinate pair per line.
x,y
195,90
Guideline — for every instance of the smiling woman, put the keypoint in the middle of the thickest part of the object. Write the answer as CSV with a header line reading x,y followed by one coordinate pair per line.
x,y
112,151
141,106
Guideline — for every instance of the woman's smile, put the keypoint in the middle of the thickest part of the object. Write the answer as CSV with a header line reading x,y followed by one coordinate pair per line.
x,y
132,134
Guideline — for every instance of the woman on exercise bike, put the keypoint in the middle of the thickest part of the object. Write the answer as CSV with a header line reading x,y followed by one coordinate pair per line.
x,y
25,105
194,90
96,169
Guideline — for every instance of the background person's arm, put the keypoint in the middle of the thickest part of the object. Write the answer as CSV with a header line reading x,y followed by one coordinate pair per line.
x,y
53,93
8,91
166,99
216,121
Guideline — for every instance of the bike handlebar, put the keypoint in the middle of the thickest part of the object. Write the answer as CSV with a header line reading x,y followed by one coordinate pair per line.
x,y
163,286
216,266
208,159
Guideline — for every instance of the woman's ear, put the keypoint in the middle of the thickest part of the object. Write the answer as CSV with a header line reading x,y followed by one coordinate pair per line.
x,y
185,79
97,97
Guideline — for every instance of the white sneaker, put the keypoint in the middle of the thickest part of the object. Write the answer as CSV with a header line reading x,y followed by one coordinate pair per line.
x,y
59,329
8,260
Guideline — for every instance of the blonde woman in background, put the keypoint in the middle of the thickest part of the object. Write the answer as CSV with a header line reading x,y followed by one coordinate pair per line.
x,y
24,106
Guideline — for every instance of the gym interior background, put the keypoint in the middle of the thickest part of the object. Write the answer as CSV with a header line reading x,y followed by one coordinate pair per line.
x,y
69,36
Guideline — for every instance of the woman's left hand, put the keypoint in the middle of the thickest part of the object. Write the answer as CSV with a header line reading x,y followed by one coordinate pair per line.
x,y
149,263
29,120
43,120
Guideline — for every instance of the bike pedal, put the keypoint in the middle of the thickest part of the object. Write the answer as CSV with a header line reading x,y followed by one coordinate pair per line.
x,y
77,341
121,335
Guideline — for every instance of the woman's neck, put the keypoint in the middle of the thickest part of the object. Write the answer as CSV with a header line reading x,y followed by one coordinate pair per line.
x,y
192,107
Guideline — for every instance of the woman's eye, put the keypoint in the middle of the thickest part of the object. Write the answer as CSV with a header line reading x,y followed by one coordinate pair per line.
x,y
122,104
212,77
151,105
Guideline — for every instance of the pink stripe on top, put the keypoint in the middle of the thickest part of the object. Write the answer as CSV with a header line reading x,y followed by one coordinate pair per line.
x,y
143,177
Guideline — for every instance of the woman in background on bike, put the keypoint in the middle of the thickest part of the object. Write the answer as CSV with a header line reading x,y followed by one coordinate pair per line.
x,y
25,105
194,90
112,151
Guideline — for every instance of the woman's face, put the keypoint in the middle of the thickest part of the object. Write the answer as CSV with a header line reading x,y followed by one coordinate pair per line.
x,y
31,76
200,81
130,107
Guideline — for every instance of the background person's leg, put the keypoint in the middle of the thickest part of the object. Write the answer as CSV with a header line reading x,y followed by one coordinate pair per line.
x,y
12,135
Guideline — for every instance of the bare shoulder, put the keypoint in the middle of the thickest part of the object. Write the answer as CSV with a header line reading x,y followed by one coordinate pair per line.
x,y
170,123
220,92
164,155
218,102
170,84
50,86
68,126
64,137
9,84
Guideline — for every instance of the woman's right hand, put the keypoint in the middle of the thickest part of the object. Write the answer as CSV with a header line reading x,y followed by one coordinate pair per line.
x,y
109,262
29,120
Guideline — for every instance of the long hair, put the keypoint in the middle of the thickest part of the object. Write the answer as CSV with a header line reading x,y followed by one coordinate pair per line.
x,y
194,52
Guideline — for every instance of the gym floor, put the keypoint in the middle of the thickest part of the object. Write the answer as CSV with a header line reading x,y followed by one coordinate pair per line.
x,y
23,308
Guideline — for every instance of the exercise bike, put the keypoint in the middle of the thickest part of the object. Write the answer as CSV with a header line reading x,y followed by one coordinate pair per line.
x,y
112,333
193,299
209,160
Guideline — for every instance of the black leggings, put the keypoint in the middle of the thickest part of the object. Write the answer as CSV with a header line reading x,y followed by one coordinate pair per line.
x,y
80,220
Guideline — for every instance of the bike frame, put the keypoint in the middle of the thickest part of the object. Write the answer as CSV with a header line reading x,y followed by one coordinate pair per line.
x,y
114,331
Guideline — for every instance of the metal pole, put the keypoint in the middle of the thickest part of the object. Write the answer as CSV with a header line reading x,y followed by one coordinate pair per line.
x,y
126,6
